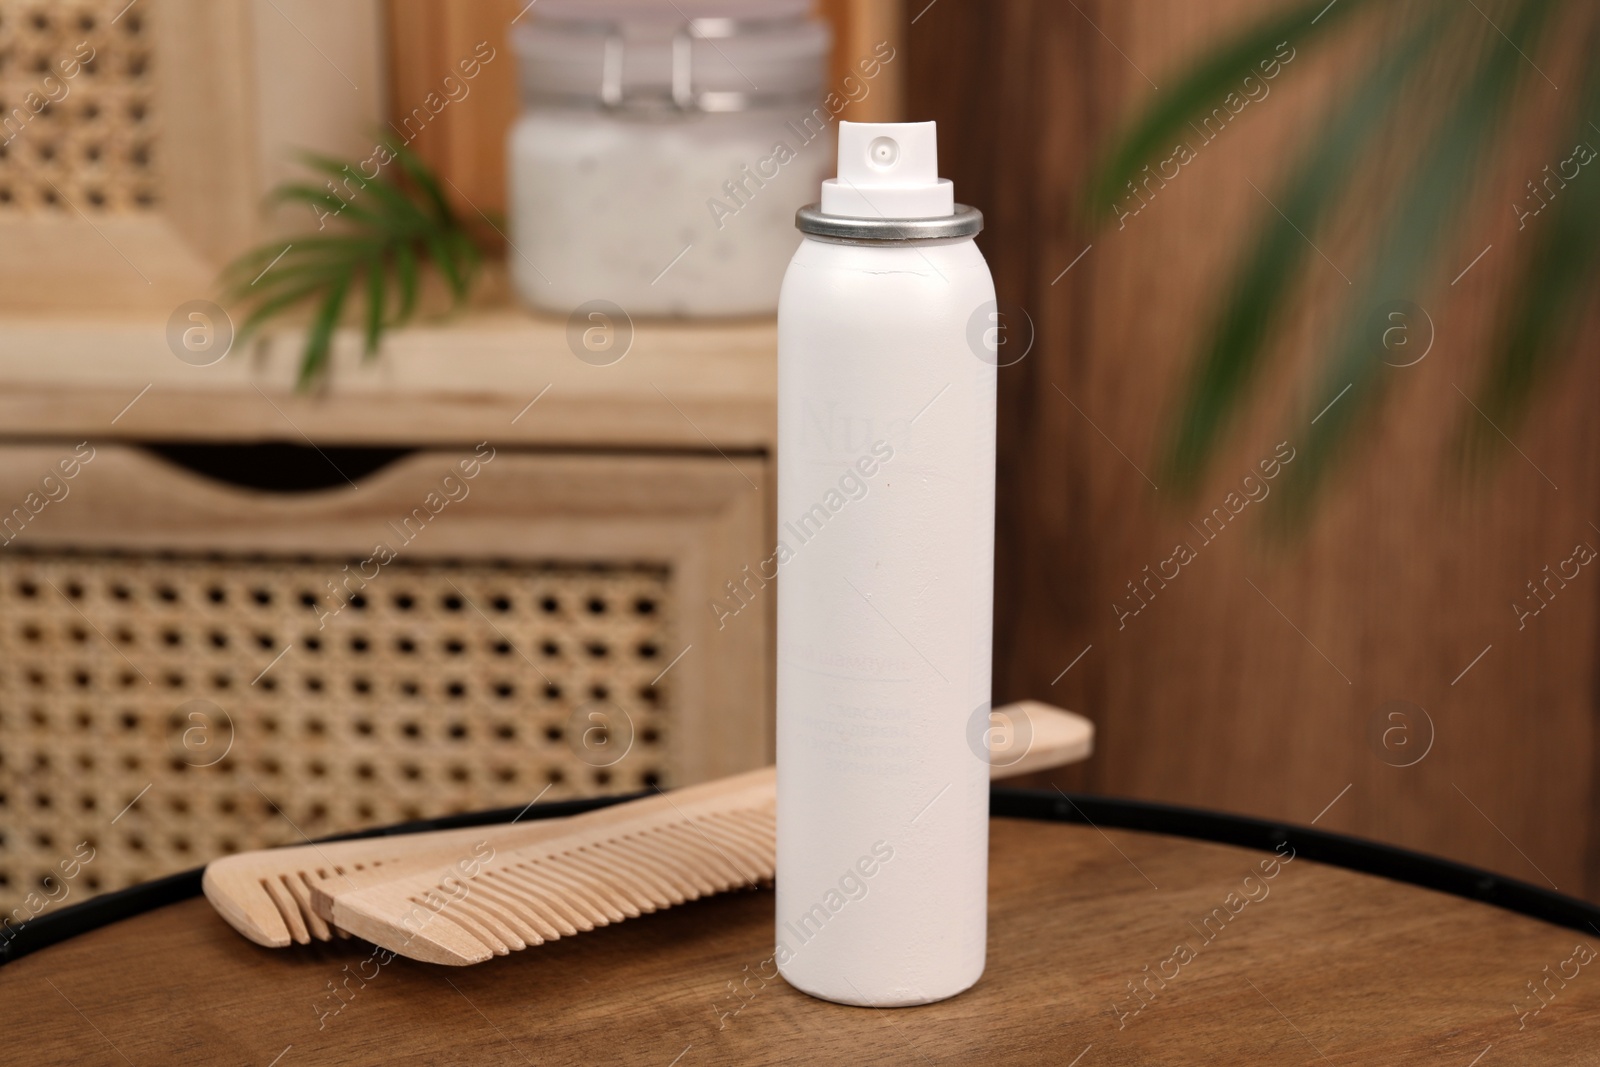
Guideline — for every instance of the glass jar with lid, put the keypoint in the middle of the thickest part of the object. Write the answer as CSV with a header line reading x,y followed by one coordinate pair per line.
x,y
662,151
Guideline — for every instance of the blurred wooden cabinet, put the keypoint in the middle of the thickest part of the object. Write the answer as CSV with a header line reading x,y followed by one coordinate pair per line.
x,y
500,588
137,141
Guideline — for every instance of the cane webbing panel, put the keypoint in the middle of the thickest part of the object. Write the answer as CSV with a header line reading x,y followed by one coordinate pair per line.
x,y
437,687
77,92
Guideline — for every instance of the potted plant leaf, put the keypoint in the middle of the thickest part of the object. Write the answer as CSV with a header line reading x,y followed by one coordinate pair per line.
x,y
1451,81
375,238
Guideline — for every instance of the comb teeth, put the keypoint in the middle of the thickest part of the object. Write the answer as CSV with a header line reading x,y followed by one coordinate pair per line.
x,y
614,864
549,878
290,895
269,896
287,908
611,880
528,902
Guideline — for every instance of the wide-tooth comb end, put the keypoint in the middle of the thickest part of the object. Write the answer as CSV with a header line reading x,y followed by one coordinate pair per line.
x,y
299,893
432,938
265,927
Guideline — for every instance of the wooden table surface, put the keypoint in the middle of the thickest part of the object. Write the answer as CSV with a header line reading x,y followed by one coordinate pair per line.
x,y
1312,965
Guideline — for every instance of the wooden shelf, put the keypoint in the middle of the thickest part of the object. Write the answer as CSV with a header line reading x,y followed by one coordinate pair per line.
x,y
463,378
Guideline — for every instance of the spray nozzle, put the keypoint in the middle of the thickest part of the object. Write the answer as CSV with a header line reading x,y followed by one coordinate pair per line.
x,y
888,170
883,152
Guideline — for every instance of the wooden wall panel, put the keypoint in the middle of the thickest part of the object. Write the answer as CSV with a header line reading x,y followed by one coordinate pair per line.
x,y
1250,682
859,26
465,142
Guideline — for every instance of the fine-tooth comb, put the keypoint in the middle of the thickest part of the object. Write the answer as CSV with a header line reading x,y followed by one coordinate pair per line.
x,y
614,863
611,864
268,895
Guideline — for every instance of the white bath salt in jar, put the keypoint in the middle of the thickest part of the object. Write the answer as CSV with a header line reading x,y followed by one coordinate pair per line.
x,y
662,151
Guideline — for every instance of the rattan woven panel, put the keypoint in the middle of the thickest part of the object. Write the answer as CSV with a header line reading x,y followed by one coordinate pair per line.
x,y
78,130
207,689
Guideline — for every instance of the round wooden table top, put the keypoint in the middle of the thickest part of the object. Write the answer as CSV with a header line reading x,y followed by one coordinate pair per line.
x,y
1105,947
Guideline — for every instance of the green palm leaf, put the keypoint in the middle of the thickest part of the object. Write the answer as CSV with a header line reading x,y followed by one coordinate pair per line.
x,y
1479,58
375,301
320,337
1233,355
1205,85
1416,224
371,223
1531,338
405,269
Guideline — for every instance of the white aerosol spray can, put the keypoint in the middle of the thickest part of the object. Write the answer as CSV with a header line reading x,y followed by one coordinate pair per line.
x,y
886,429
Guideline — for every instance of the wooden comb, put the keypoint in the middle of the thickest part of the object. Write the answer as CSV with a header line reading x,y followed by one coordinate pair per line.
x,y
618,862
267,895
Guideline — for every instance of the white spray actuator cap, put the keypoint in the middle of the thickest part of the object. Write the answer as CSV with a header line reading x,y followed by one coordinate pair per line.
x,y
888,189
888,170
